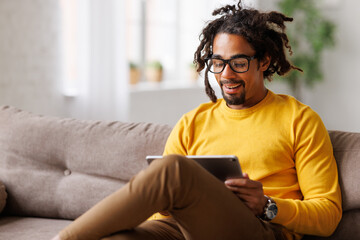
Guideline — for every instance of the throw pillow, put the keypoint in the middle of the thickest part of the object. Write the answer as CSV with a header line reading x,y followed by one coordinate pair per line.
x,y
3,196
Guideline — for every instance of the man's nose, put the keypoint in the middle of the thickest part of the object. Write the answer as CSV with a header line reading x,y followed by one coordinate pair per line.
x,y
228,72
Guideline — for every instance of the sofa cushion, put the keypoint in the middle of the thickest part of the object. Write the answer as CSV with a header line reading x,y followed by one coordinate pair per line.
x,y
59,168
3,196
22,228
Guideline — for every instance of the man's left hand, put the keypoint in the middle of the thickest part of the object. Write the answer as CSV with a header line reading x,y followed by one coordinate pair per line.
x,y
250,192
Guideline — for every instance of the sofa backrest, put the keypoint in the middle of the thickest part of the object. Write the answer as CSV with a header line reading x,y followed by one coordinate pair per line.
x,y
59,168
347,154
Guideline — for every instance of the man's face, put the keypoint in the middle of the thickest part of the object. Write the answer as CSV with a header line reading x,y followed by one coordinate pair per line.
x,y
240,90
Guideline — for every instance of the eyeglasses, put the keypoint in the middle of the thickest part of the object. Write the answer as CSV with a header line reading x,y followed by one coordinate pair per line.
x,y
239,64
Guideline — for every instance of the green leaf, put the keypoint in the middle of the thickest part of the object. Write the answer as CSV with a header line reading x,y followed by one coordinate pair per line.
x,y
309,34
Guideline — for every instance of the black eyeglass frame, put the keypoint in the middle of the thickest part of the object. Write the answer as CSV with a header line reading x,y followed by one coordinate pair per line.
x,y
227,61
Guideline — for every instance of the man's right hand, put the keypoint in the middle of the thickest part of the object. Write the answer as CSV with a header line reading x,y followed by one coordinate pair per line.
x,y
250,192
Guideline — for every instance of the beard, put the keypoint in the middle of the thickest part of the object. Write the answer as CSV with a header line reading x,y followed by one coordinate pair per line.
x,y
234,99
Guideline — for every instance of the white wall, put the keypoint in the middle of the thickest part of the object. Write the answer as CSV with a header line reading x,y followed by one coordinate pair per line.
x,y
29,56
164,105
337,98
30,70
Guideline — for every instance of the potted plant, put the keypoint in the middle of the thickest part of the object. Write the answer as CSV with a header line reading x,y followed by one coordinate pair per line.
x,y
134,73
309,34
154,71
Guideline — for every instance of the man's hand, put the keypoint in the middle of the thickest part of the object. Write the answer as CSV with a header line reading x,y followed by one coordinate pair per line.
x,y
250,192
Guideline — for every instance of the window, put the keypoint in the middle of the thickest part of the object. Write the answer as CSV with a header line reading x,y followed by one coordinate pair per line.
x,y
168,31
152,33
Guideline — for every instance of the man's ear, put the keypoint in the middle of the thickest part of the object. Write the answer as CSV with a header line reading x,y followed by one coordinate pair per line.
x,y
265,62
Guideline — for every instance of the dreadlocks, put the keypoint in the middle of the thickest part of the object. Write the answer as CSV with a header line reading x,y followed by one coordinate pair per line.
x,y
265,31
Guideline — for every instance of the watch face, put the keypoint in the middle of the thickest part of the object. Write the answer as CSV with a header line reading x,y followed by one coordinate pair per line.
x,y
271,211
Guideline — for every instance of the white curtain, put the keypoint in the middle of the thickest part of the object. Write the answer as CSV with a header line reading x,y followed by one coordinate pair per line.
x,y
101,68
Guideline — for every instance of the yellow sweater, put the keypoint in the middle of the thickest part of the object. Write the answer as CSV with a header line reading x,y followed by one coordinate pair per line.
x,y
280,142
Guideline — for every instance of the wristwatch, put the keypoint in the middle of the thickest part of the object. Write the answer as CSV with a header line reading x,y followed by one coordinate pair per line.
x,y
270,210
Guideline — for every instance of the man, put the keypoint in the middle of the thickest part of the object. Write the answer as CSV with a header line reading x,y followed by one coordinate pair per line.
x,y
291,185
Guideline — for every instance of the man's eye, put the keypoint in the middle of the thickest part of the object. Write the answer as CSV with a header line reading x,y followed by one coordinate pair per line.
x,y
218,63
239,64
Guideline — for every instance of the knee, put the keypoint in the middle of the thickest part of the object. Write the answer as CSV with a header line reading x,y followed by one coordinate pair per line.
x,y
177,164
180,162
174,159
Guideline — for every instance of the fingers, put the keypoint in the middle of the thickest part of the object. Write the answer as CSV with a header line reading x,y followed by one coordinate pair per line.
x,y
249,191
247,194
254,202
243,191
245,175
243,183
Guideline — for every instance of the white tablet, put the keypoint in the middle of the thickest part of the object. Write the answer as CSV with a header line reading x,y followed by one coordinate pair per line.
x,y
221,166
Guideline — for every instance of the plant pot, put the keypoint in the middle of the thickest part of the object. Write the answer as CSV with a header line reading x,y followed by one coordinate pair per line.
x,y
154,75
134,76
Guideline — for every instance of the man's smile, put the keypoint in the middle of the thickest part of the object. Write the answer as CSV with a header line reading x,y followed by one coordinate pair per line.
x,y
232,88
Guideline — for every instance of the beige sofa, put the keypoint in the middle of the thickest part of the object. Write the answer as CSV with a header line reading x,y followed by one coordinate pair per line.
x,y
55,169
